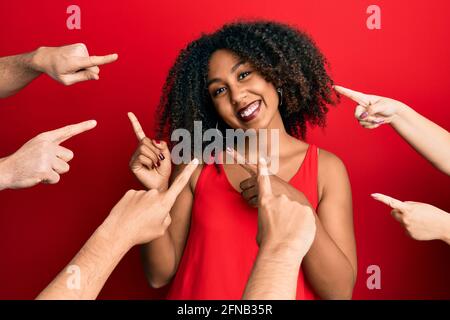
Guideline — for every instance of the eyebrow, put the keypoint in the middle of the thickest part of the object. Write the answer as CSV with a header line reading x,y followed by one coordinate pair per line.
x,y
237,65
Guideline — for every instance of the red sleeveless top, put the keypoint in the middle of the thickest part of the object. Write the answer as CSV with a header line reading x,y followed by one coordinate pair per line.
x,y
221,247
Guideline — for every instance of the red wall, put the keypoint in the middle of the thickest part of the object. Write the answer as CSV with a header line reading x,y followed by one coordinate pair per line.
x,y
408,59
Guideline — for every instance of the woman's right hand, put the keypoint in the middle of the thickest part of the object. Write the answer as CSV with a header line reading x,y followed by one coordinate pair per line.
x,y
151,162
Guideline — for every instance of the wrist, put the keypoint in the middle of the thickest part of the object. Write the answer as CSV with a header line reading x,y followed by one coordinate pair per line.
x,y
399,115
110,231
36,59
287,252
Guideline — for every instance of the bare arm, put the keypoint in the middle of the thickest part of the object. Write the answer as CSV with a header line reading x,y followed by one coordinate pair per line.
x,y
330,264
67,64
15,73
426,137
95,262
286,230
162,256
274,275
139,217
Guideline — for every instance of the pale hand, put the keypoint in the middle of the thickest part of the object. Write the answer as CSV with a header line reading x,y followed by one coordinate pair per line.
x,y
41,159
282,222
420,220
151,162
142,216
372,111
69,64
249,186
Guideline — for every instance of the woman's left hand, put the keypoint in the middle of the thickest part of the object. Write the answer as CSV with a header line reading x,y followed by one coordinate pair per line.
x,y
249,186
250,190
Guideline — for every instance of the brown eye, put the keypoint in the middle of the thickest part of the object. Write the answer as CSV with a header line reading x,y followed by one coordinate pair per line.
x,y
218,91
243,75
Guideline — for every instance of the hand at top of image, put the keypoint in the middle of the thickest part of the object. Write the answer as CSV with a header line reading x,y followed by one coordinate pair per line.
x,y
70,64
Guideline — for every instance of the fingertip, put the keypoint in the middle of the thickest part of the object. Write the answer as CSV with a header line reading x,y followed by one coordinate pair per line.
x,y
90,124
195,161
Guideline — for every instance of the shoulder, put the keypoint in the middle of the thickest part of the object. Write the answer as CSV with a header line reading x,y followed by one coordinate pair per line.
x,y
329,161
332,173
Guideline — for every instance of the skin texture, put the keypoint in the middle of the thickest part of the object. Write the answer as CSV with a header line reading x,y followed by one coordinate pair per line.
x,y
139,217
330,264
420,220
42,159
67,64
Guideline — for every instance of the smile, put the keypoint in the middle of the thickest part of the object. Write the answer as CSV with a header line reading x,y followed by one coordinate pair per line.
x,y
250,111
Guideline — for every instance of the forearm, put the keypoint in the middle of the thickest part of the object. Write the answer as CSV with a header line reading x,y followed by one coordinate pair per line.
x,y
159,260
426,137
95,261
16,72
327,268
274,275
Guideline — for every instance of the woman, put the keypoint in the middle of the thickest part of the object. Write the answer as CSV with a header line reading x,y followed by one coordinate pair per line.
x,y
248,75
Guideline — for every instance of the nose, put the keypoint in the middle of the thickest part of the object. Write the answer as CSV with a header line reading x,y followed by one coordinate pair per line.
x,y
237,96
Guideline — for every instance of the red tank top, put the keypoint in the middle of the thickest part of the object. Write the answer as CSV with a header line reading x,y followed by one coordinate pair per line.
x,y
221,247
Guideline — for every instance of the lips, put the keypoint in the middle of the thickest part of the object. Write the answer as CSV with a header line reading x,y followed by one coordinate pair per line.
x,y
250,111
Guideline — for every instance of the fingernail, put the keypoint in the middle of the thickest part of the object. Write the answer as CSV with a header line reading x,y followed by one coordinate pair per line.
x,y
380,121
229,150
160,156
158,164
364,115
157,141
195,161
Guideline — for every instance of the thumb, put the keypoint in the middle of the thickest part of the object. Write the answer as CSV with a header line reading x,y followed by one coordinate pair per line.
x,y
84,75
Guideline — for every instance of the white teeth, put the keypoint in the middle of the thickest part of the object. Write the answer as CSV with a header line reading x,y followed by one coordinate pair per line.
x,y
250,110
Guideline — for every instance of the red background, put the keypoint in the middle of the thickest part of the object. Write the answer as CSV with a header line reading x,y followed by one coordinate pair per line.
x,y
42,228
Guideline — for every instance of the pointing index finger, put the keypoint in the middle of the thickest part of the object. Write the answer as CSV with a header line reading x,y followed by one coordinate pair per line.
x,y
180,182
62,134
264,186
91,61
356,96
389,201
140,134
251,169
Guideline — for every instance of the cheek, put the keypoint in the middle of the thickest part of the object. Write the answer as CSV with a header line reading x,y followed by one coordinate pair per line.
x,y
225,111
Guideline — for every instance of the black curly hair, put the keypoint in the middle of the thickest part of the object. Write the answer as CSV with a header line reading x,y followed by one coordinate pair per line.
x,y
284,56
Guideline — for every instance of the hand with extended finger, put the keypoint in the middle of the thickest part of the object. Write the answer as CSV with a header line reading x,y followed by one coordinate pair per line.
x,y
151,162
282,222
69,64
372,111
142,216
249,186
41,159
420,220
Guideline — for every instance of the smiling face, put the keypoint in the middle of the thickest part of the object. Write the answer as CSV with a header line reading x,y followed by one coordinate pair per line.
x,y
241,96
